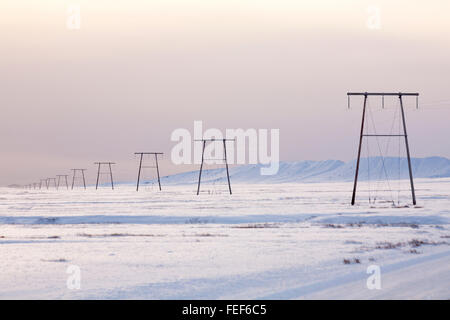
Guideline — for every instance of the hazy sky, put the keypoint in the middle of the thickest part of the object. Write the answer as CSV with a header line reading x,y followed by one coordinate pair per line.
x,y
137,70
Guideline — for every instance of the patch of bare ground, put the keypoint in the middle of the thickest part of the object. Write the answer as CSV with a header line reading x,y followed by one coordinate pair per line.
x,y
413,243
205,235
333,226
378,225
46,237
388,245
55,260
341,226
401,224
196,221
351,261
88,235
352,242
257,226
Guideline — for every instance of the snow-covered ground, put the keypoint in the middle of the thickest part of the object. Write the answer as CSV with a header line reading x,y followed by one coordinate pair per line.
x,y
274,241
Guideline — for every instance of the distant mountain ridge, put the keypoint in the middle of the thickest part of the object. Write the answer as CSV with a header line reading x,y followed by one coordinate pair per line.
x,y
321,171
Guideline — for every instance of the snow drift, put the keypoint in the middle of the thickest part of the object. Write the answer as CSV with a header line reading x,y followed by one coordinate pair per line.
x,y
375,168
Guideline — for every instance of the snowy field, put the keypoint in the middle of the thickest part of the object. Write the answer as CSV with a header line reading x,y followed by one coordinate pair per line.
x,y
269,241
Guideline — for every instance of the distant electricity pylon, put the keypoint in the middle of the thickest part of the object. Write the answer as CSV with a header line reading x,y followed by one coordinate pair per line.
x,y
224,159
75,176
54,182
142,167
59,180
99,172
405,135
40,183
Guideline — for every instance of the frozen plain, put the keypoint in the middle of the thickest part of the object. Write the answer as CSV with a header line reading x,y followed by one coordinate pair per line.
x,y
266,241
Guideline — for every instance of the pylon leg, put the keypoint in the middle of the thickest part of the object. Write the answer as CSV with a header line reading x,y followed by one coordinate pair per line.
x,y
226,164
139,172
98,176
413,192
111,175
359,151
157,171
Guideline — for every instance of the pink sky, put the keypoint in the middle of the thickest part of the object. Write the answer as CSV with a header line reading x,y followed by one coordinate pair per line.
x,y
137,70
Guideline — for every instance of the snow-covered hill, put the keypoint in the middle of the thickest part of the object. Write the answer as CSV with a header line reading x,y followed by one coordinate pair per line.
x,y
322,171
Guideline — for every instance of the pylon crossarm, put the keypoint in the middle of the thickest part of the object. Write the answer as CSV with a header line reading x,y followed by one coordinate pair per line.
x,y
383,135
415,94
213,139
